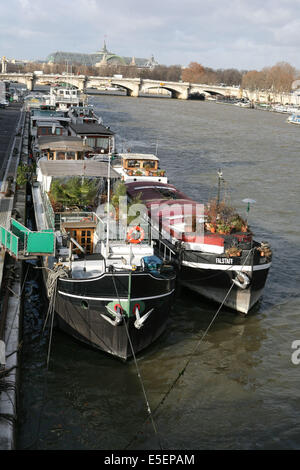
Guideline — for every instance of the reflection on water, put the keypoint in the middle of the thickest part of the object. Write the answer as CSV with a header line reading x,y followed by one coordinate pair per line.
x,y
239,389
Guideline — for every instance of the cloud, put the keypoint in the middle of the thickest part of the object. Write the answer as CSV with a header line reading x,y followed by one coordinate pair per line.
x,y
227,33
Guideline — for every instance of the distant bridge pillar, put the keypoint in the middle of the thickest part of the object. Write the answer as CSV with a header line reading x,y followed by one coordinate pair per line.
x,y
183,94
4,64
134,90
81,84
29,83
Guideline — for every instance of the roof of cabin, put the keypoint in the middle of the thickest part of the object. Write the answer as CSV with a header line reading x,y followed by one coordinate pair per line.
x,y
87,168
49,123
66,143
138,156
91,128
151,191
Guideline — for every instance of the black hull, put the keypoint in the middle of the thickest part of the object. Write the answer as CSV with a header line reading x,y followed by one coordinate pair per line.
x,y
215,282
81,308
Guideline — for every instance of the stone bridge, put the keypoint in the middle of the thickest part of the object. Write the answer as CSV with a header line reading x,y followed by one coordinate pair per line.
x,y
136,86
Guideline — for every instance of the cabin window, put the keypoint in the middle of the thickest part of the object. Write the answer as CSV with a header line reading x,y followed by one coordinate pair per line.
x,y
60,156
50,156
149,163
58,131
91,141
133,164
44,131
70,155
102,142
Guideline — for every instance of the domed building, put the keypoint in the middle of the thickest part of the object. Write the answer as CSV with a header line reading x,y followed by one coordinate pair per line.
x,y
100,58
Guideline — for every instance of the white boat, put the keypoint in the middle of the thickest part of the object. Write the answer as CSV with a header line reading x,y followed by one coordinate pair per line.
x,y
294,118
243,104
63,97
139,167
84,114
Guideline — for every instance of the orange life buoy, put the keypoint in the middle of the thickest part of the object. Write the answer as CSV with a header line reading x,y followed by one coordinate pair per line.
x,y
131,239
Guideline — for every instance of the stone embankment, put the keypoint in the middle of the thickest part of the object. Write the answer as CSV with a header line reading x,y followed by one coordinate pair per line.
x,y
13,149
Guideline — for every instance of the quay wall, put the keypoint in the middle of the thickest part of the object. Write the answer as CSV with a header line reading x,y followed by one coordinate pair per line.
x,y
12,204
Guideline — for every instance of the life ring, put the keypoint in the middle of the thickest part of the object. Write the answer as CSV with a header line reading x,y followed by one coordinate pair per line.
x,y
241,280
131,239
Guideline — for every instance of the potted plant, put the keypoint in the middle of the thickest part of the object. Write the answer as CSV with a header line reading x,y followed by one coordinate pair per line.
x,y
21,176
147,168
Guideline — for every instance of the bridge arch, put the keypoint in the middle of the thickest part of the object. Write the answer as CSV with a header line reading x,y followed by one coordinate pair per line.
x,y
77,81
177,90
60,82
24,78
130,85
214,93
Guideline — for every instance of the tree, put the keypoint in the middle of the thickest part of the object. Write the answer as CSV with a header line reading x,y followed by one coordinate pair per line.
x,y
278,78
76,191
193,73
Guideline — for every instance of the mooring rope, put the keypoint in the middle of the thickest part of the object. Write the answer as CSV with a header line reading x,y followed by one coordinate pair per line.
x,y
180,374
150,413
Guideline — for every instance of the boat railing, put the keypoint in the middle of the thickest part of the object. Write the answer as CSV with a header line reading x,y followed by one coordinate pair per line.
x,y
163,246
49,212
67,99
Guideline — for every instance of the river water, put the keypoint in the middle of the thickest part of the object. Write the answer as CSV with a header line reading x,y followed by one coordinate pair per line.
x,y
240,388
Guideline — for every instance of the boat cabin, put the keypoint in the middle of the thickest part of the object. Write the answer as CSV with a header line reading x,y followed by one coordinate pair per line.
x,y
83,114
44,128
82,225
97,136
83,232
64,96
45,122
62,148
138,166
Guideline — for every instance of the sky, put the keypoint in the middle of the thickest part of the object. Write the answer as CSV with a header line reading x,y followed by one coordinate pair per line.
x,y
240,34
